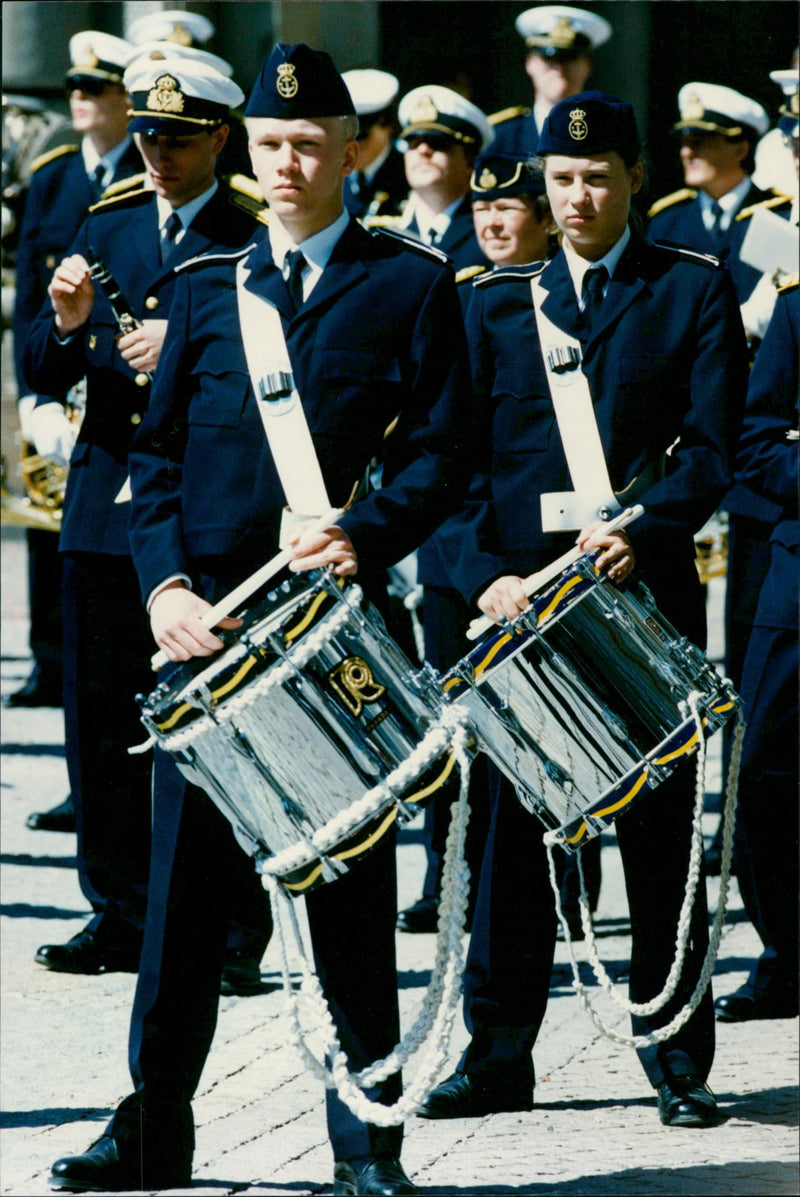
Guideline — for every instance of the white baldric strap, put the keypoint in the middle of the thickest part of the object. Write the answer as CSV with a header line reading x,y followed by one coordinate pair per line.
x,y
593,497
280,406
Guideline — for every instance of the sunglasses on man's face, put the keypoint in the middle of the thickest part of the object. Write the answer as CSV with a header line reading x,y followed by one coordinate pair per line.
x,y
89,87
434,141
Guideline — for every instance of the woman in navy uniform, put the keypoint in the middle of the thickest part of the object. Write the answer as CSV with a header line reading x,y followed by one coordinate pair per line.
x,y
665,360
767,839
104,670
375,335
64,183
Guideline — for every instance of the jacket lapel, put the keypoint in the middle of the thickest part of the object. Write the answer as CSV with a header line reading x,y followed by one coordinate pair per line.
x,y
343,271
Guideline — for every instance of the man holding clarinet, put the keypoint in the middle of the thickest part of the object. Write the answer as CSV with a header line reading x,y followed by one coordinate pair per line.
x,y
111,333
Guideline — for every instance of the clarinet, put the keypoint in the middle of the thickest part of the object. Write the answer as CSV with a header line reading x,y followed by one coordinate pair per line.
x,y
126,321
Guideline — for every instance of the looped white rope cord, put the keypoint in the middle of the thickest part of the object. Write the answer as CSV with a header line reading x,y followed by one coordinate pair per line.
x,y
660,1034
433,1024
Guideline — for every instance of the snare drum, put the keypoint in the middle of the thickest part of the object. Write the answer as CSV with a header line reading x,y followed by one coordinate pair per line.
x,y
310,731
582,701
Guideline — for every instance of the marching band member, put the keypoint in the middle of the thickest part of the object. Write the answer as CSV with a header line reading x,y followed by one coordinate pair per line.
x,y
180,113
65,181
560,42
767,837
375,335
664,358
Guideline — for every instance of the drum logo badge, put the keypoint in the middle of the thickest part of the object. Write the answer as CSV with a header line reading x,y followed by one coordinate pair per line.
x,y
287,85
354,684
578,129
165,96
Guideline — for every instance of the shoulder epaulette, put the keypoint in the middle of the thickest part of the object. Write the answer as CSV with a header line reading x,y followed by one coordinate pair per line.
x,y
133,182
469,272
777,200
676,197
137,195
409,242
214,258
508,114
382,222
690,255
789,283
245,193
509,273
50,156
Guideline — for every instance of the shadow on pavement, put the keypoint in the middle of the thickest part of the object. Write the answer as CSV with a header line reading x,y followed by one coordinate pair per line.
x,y
41,862
24,910
54,1116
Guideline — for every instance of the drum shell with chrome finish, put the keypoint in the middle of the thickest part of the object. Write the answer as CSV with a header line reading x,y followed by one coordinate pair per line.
x,y
309,707
583,700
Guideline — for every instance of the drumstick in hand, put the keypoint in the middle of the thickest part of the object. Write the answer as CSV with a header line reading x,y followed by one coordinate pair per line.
x,y
536,581
243,591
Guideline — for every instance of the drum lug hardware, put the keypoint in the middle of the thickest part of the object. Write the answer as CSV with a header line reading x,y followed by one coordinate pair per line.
x,y
202,698
292,809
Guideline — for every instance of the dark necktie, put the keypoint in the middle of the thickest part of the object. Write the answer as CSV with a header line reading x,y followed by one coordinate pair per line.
x,y
170,232
294,277
96,180
716,225
594,282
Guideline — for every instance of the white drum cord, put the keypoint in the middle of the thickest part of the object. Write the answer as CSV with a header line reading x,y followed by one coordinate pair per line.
x,y
431,1030
660,1034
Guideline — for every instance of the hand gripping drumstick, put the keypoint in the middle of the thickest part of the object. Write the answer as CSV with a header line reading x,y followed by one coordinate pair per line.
x,y
251,584
535,581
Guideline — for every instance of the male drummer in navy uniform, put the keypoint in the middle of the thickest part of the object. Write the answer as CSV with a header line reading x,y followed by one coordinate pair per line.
x,y
64,182
139,235
560,43
664,356
375,337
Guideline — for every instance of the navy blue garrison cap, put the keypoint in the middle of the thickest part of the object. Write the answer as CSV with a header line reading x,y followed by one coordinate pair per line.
x,y
591,123
297,82
499,175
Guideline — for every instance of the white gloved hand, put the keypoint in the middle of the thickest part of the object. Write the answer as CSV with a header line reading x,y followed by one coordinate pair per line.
x,y
48,428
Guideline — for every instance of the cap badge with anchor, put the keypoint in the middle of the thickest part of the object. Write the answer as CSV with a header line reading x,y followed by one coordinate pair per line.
x,y
578,128
287,85
166,96
488,179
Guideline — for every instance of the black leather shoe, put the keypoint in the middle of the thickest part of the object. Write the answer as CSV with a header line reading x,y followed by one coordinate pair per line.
x,y
241,974
459,1097
419,918
743,1005
100,1170
42,689
58,818
382,1176
686,1101
86,953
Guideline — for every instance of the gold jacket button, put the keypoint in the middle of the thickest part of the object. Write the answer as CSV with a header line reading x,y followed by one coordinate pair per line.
x,y
151,303
141,380
136,418
50,261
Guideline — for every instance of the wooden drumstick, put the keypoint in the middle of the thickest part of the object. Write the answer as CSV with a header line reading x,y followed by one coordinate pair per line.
x,y
243,591
536,581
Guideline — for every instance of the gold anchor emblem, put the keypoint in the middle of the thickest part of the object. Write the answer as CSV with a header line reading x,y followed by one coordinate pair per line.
x,y
693,109
487,180
354,684
287,85
165,96
578,129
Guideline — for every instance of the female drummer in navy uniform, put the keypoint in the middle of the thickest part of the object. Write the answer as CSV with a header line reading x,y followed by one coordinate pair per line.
x,y
375,336
664,355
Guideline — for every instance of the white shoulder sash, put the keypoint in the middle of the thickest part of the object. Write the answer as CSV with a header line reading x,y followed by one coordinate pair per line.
x,y
280,406
593,497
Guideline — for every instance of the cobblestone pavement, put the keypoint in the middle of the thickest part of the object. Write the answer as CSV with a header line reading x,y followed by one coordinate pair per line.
x,y
259,1113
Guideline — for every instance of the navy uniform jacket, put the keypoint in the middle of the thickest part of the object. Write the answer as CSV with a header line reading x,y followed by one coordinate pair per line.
x,y
767,460
59,196
124,233
666,362
459,242
677,218
386,192
379,339
515,131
